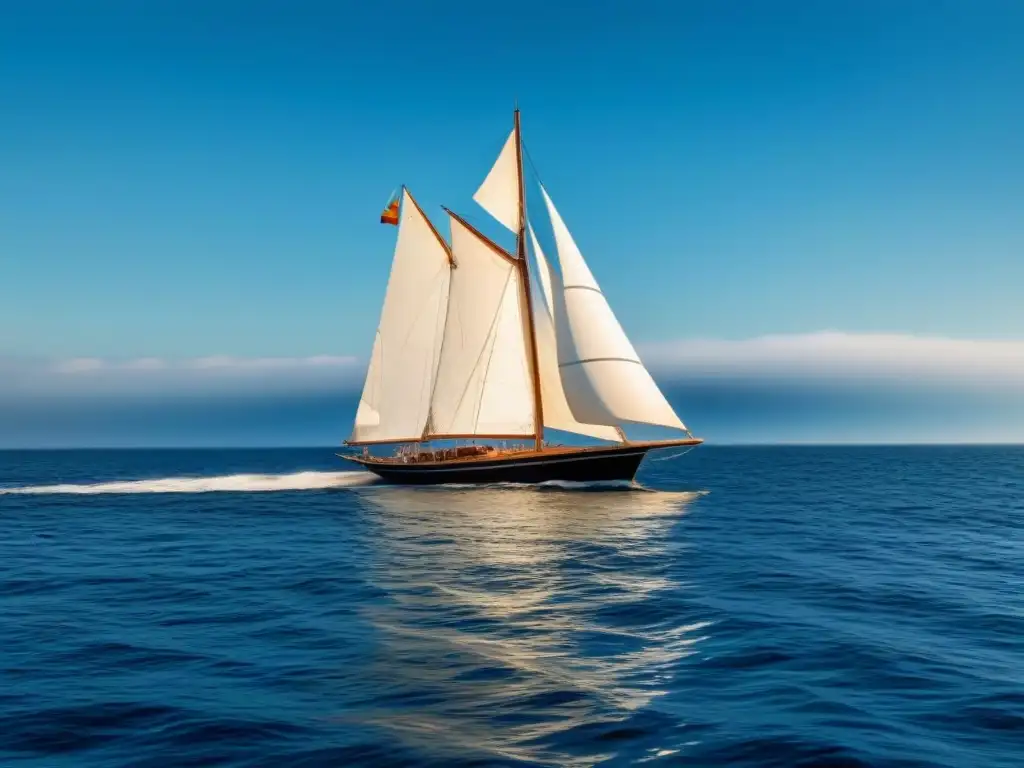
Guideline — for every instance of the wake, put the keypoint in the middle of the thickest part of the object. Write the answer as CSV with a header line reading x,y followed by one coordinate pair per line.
x,y
298,481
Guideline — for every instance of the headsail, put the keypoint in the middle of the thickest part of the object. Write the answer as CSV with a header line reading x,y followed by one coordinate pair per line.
x,y
499,194
603,378
557,414
395,400
483,386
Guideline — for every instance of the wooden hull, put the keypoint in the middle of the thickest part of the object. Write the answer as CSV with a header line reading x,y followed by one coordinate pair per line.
x,y
616,463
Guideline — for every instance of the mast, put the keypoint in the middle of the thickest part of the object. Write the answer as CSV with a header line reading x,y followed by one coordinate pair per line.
x,y
524,273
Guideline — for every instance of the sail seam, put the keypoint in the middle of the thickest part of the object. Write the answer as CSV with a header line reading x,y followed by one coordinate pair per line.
x,y
583,288
601,360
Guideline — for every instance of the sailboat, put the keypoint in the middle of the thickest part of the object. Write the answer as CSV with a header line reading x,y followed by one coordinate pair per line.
x,y
481,351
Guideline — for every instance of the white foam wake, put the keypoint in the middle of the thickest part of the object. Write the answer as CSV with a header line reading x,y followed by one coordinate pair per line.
x,y
298,481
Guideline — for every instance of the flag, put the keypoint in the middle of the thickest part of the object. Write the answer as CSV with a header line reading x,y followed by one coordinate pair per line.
x,y
390,214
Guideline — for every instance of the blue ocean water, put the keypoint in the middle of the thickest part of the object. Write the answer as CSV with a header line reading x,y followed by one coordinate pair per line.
x,y
770,606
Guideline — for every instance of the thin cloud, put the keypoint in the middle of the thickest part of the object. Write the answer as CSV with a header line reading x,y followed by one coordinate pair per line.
x,y
78,365
830,358
846,356
156,376
820,387
221,362
214,362
145,364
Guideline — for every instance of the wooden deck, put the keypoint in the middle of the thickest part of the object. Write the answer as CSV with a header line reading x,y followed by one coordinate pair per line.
x,y
507,454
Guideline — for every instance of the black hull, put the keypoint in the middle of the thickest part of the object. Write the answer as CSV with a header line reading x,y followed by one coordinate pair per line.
x,y
616,464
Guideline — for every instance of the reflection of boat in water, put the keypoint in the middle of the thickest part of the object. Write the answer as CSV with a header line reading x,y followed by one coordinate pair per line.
x,y
508,617
472,346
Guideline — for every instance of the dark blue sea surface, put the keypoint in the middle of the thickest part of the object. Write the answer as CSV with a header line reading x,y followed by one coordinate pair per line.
x,y
794,606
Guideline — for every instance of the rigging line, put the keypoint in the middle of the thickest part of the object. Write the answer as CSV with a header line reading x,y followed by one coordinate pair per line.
x,y
537,178
480,224
476,221
533,166
427,391
440,324
600,360
445,311
426,296
493,337
491,331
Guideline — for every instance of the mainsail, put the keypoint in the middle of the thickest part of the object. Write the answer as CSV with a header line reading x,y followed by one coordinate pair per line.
x,y
395,401
483,386
603,378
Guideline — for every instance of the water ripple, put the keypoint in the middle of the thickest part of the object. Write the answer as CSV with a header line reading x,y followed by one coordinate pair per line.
x,y
763,607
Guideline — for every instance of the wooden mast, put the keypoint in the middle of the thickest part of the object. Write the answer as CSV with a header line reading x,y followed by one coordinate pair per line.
x,y
482,237
524,275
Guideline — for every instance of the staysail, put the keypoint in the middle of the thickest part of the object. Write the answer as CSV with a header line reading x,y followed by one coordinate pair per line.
x,y
603,378
499,193
557,413
395,401
483,386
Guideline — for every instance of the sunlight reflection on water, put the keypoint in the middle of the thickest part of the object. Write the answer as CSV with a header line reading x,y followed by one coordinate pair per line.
x,y
515,614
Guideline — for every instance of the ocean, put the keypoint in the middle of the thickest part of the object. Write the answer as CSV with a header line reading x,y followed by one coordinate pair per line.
x,y
742,606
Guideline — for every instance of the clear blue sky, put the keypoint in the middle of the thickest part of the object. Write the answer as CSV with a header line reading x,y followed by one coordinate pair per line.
x,y
183,179
194,178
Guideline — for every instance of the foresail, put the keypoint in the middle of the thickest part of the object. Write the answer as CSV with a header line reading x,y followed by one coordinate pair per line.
x,y
395,401
602,376
484,386
543,270
499,194
367,415
557,414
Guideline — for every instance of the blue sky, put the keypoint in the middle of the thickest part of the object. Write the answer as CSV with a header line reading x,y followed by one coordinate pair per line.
x,y
183,180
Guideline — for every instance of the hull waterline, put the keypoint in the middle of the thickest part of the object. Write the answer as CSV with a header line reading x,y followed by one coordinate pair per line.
x,y
588,465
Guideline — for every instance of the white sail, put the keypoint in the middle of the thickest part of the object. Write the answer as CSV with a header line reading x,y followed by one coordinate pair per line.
x,y
499,194
367,415
483,386
395,401
557,414
543,269
603,378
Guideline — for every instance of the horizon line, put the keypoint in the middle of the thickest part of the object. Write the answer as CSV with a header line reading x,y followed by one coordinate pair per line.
x,y
751,444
